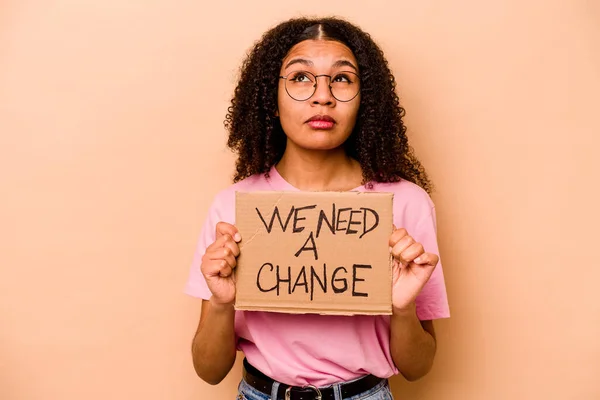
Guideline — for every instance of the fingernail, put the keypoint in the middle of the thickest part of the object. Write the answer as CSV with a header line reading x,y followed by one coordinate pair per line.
x,y
418,259
237,237
390,249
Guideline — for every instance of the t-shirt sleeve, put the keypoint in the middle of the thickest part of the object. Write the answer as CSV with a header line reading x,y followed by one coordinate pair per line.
x,y
432,302
196,284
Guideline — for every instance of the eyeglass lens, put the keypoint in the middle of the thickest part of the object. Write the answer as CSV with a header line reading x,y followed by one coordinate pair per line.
x,y
301,85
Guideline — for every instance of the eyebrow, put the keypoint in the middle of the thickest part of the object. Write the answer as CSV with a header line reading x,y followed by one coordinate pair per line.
x,y
344,63
308,63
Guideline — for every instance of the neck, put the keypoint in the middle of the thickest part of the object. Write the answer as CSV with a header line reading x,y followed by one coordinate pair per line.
x,y
319,170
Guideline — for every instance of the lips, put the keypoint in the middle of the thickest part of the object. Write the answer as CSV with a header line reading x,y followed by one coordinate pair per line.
x,y
321,122
325,118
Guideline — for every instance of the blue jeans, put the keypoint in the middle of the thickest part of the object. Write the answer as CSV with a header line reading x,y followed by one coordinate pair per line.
x,y
379,392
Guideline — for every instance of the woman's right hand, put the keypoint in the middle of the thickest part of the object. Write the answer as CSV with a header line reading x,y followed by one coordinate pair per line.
x,y
218,263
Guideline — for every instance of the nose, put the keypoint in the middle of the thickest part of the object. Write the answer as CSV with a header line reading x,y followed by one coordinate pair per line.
x,y
322,95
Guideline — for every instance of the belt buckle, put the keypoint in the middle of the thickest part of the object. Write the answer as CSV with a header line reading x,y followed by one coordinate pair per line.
x,y
288,392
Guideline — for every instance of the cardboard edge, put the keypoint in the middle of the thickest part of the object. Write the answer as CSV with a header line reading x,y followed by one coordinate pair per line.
x,y
290,310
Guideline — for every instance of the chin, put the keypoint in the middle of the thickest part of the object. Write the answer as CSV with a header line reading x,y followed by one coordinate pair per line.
x,y
320,146
322,140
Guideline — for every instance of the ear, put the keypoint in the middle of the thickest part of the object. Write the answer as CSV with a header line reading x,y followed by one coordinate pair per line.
x,y
277,113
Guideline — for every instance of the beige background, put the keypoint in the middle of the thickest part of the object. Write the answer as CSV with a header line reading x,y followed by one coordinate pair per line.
x,y
113,146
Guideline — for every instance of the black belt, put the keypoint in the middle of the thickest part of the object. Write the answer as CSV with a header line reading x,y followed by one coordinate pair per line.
x,y
264,384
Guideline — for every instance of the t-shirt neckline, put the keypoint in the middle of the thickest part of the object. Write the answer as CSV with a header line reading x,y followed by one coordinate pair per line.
x,y
279,183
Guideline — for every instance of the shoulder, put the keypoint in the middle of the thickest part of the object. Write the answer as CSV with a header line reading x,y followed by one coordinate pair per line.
x,y
405,193
223,204
411,203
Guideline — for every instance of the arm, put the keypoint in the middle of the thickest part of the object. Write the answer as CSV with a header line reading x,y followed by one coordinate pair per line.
x,y
412,343
213,347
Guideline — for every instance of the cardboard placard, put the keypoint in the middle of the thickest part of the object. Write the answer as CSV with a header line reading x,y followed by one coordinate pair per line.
x,y
314,252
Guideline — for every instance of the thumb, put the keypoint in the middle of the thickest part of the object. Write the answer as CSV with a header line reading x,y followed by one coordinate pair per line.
x,y
223,228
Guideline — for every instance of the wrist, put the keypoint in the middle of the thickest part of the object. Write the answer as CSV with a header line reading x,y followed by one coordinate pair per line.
x,y
217,306
409,310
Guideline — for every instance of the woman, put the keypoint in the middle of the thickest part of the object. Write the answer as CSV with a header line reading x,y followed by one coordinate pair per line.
x,y
316,109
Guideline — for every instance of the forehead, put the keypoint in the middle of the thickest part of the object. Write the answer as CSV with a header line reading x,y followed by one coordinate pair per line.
x,y
320,52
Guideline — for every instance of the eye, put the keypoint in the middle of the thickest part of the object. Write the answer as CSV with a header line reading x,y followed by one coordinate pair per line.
x,y
300,77
343,78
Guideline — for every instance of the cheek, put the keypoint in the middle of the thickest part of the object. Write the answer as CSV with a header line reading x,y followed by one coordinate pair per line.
x,y
356,106
284,102
352,112
286,114
279,105
287,107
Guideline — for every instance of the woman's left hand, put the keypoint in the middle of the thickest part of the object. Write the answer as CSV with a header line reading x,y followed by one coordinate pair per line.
x,y
411,271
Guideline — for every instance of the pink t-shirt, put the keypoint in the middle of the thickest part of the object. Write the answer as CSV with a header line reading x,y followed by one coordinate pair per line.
x,y
301,349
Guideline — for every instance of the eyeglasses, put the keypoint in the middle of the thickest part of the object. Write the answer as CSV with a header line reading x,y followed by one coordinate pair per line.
x,y
302,85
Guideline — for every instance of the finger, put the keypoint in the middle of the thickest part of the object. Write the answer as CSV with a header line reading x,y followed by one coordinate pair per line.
x,y
223,228
212,268
396,266
427,258
223,253
225,272
225,241
219,242
413,251
402,245
396,236
232,246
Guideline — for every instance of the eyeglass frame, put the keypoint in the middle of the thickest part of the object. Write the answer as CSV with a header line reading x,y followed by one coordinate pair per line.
x,y
317,84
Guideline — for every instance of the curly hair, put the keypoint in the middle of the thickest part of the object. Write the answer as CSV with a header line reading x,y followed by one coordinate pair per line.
x,y
378,141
